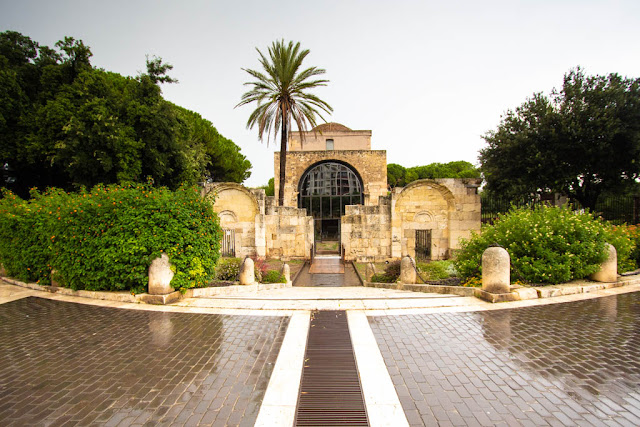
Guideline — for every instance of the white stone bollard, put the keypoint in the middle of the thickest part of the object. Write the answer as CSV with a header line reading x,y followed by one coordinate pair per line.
x,y
286,272
247,274
407,271
609,268
496,271
160,276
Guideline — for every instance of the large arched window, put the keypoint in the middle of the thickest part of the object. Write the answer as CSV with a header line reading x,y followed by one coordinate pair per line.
x,y
324,191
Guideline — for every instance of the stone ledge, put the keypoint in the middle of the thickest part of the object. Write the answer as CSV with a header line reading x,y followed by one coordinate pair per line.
x,y
101,295
161,299
419,287
233,289
493,298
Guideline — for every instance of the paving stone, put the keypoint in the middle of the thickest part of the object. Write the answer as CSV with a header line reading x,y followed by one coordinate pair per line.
x,y
86,365
560,364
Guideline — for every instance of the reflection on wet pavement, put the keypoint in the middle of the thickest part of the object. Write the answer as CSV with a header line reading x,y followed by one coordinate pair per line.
x,y
559,364
64,362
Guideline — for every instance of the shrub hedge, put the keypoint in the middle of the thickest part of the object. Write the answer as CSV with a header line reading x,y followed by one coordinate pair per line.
x,y
546,245
106,238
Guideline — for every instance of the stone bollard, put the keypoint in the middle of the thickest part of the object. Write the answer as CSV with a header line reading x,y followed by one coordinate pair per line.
x,y
369,272
247,274
496,271
160,276
609,268
286,272
407,271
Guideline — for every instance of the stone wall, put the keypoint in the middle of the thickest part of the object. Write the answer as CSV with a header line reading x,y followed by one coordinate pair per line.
x,y
289,233
366,232
450,208
342,140
370,164
261,228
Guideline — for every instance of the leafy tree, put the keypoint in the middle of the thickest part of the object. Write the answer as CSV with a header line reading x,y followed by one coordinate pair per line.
x,y
64,123
398,176
582,141
269,189
281,92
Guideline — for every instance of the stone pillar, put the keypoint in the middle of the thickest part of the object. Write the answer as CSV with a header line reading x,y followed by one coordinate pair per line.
x,y
369,271
609,268
286,272
260,236
496,271
407,271
247,273
160,276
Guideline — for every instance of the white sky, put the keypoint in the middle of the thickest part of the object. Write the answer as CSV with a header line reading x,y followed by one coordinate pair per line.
x,y
427,77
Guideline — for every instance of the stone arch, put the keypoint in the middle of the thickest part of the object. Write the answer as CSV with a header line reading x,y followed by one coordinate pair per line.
x,y
237,207
423,205
227,218
236,200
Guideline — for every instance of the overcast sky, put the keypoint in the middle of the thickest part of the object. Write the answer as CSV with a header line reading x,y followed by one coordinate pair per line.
x,y
429,78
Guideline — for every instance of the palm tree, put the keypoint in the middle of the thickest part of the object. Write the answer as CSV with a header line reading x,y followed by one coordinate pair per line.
x,y
282,97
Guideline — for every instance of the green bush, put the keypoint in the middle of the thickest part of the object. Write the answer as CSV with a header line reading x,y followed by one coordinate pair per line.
x,y
546,245
437,270
228,269
623,239
390,275
273,276
106,238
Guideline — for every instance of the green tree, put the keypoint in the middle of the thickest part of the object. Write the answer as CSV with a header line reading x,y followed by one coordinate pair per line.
x,y
269,189
398,176
281,93
64,123
582,141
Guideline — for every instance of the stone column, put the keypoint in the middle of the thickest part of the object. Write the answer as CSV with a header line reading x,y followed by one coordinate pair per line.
x,y
369,271
407,271
247,273
286,272
609,268
496,271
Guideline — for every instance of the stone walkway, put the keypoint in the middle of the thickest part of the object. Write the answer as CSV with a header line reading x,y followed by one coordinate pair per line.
x,y
570,360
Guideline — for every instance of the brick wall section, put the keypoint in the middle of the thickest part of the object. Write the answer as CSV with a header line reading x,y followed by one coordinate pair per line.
x,y
370,164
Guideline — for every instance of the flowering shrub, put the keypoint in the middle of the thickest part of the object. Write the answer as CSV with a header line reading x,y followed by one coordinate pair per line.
x,y
546,244
106,238
228,269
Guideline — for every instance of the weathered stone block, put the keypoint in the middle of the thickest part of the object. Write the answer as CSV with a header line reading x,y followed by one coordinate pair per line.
x,y
160,275
609,269
496,271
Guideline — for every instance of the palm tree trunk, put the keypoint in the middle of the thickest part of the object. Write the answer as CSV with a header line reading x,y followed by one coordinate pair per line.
x,y
283,161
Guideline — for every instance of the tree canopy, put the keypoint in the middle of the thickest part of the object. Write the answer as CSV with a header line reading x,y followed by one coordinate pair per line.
x,y
65,123
281,92
581,141
398,176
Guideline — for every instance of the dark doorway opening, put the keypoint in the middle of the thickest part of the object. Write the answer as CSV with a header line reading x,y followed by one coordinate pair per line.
x,y
423,244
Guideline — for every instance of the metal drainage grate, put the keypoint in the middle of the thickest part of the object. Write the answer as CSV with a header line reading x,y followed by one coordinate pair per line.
x,y
330,393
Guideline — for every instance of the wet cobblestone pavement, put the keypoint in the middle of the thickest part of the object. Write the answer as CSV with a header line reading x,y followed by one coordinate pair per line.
x,y
560,364
74,364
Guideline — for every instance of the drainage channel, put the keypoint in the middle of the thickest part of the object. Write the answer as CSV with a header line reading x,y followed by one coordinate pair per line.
x,y
330,392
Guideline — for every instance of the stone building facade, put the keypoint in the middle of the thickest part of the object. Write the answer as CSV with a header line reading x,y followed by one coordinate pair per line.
x,y
336,189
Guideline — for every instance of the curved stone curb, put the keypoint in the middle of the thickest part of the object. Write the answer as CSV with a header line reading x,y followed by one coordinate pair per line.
x,y
109,296
419,287
233,289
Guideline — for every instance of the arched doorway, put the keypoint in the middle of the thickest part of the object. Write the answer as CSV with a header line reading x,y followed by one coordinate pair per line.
x,y
324,191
